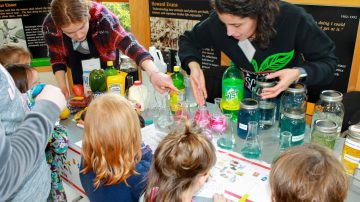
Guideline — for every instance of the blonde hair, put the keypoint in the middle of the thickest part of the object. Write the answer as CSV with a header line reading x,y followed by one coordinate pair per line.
x,y
308,173
179,158
65,12
12,53
112,141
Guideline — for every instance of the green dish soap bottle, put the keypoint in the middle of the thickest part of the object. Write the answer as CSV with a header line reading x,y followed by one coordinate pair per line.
x,y
177,97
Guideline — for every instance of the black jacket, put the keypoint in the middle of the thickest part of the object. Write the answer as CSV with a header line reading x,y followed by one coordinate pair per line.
x,y
299,42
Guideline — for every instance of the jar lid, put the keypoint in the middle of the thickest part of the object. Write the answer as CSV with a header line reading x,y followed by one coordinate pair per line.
x,y
354,131
266,83
331,96
137,83
296,88
294,114
248,103
326,126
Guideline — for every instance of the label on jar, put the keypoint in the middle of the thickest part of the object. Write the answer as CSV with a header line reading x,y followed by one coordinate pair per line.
x,y
352,144
352,159
243,126
297,138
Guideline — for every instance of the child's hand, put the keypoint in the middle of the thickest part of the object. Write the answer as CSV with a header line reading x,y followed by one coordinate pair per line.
x,y
219,198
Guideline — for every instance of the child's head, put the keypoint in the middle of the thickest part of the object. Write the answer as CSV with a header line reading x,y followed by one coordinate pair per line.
x,y
308,173
12,53
181,162
112,141
24,76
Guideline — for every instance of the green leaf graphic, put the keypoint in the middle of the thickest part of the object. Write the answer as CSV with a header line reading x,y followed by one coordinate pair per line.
x,y
276,61
255,65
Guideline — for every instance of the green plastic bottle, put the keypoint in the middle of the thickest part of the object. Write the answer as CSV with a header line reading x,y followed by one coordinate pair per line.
x,y
110,70
177,97
232,91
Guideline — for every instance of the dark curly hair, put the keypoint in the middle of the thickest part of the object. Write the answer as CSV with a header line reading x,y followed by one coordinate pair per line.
x,y
263,11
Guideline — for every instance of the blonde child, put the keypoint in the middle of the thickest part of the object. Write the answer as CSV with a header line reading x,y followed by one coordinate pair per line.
x,y
308,173
114,162
180,167
13,53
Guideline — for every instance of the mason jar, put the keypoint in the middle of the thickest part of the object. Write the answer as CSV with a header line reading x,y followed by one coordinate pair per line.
x,y
267,107
294,122
294,99
351,150
329,106
324,133
248,112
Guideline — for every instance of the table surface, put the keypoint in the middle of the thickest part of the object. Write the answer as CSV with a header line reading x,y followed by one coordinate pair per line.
x,y
268,140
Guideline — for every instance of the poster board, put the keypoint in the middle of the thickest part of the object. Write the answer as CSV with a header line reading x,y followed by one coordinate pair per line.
x,y
171,18
21,23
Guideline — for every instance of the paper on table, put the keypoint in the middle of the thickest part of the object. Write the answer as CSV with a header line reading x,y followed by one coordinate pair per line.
x,y
235,176
151,136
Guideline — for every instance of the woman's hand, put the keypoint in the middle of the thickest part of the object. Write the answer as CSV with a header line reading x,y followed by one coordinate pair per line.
x,y
197,80
162,82
286,77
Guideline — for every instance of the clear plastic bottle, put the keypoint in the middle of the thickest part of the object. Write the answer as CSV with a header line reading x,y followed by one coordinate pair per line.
x,y
232,90
267,107
329,107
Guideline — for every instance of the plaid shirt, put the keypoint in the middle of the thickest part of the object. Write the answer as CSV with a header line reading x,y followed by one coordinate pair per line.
x,y
106,32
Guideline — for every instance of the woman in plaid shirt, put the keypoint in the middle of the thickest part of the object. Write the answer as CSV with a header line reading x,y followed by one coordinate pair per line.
x,y
76,30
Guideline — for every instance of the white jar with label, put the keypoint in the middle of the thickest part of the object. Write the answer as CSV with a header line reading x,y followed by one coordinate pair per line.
x,y
351,150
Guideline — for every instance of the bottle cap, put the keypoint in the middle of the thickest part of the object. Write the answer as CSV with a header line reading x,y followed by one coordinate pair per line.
x,y
331,96
137,83
176,68
109,63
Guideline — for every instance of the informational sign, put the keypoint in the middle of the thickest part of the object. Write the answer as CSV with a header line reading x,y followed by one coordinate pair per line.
x,y
171,18
21,23
341,25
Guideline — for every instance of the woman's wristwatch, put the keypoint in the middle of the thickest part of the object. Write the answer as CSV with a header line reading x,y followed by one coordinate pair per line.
x,y
303,74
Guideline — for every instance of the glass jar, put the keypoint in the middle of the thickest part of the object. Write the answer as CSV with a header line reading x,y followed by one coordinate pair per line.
x,y
294,123
329,107
248,112
351,150
267,107
294,99
324,133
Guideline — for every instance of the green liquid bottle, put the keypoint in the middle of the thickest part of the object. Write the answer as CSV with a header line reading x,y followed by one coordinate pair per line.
x,y
177,97
232,91
110,70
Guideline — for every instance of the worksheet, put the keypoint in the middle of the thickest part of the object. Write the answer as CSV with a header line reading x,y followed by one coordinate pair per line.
x,y
238,178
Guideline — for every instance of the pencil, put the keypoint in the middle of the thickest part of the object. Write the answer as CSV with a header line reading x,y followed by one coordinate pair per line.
x,y
243,198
